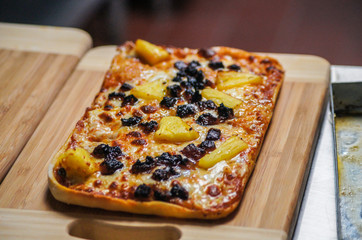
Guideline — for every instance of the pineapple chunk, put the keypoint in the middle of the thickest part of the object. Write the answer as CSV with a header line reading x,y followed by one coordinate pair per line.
x,y
229,149
151,53
173,129
227,80
150,90
77,163
219,97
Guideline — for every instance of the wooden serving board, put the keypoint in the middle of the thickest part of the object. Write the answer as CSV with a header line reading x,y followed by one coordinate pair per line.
x,y
35,63
273,194
55,225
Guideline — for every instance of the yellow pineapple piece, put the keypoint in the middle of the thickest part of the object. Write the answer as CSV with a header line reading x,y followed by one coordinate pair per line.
x,y
226,151
173,129
151,90
227,80
77,163
151,53
220,97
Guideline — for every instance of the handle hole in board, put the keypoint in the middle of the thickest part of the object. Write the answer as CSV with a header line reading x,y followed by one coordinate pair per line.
x,y
98,230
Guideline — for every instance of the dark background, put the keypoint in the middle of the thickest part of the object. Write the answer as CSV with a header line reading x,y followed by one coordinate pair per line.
x,y
327,28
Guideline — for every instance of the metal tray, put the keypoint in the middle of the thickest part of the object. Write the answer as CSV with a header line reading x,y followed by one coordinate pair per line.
x,y
346,104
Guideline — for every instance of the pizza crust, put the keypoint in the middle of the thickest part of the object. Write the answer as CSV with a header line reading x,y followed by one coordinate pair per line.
x,y
70,196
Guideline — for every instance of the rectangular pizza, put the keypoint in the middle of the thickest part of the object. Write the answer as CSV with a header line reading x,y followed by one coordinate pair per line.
x,y
172,132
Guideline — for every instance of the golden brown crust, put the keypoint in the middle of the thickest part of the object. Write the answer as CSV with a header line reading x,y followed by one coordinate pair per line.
x,y
251,126
71,196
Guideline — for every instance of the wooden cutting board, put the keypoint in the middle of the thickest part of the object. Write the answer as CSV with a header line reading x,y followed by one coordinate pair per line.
x,y
30,224
274,192
35,63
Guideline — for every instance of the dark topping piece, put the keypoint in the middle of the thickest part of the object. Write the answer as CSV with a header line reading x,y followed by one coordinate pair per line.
x,y
215,65
129,100
161,195
168,102
194,82
109,166
191,81
132,121
126,87
113,153
206,119
192,96
194,64
164,158
191,71
193,152
134,134
186,84
180,65
108,107
178,191
139,142
200,76
178,78
234,67
107,152
174,90
213,190
168,159
116,95
164,174
101,150
213,134
148,109
196,97
143,167
207,145
209,83
149,127
185,162
160,175
185,110
265,61
209,104
61,173
206,53
191,68
181,74
142,191
225,113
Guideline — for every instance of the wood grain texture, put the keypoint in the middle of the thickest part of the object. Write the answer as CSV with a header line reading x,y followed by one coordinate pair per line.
x,y
46,39
29,83
29,224
35,62
273,194
280,171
